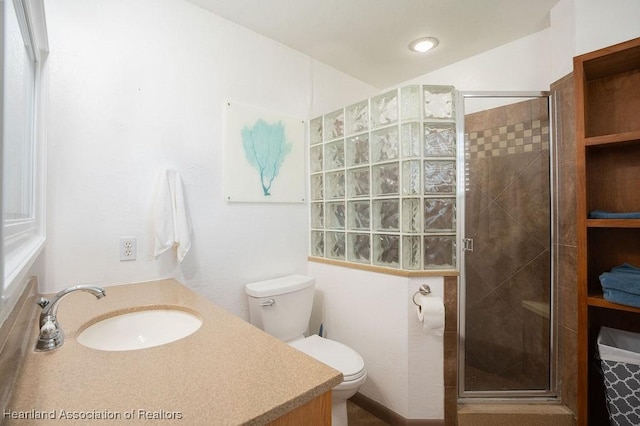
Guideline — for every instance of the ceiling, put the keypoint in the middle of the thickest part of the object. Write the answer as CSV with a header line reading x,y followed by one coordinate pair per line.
x,y
368,39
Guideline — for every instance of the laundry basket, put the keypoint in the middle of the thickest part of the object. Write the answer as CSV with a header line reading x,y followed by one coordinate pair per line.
x,y
619,353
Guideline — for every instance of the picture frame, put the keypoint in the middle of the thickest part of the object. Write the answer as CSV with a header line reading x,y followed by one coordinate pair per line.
x,y
263,156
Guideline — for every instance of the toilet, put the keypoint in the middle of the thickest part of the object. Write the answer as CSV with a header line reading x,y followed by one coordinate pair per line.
x,y
282,308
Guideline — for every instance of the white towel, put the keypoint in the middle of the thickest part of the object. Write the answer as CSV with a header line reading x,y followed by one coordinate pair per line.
x,y
171,221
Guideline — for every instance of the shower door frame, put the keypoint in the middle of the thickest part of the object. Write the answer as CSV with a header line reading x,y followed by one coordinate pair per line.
x,y
508,396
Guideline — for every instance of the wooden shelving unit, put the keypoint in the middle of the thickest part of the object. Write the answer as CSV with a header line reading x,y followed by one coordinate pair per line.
x,y
598,300
607,90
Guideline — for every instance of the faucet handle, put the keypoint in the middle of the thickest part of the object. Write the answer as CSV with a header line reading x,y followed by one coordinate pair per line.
x,y
49,328
43,303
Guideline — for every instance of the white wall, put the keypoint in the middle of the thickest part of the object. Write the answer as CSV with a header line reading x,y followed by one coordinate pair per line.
x,y
603,23
138,86
520,65
563,34
536,61
581,26
373,313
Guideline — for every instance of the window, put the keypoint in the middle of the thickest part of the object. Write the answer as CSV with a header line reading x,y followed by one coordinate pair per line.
x,y
23,44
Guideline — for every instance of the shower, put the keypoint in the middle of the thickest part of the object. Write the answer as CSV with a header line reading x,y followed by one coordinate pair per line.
x,y
506,205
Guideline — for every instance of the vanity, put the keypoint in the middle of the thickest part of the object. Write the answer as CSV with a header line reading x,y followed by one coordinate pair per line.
x,y
226,372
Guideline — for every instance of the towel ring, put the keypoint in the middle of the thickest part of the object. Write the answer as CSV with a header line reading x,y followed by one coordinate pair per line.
x,y
424,290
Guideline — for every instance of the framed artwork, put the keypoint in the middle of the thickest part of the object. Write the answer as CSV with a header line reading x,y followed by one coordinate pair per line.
x,y
264,156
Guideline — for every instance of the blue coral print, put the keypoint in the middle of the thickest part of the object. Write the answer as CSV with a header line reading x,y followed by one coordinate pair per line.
x,y
265,148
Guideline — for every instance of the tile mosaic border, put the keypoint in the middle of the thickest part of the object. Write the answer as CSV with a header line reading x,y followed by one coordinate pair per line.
x,y
505,140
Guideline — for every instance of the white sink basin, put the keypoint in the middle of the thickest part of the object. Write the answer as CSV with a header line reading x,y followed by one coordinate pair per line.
x,y
140,329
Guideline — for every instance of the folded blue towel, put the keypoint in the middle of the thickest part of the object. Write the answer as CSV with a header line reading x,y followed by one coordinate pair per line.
x,y
626,267
625,278
601,214
621,297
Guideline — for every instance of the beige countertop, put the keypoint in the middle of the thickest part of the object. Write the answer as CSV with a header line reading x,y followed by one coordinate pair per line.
x,y
227,372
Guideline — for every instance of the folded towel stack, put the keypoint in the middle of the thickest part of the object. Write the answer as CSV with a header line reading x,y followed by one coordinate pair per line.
x,y
622,285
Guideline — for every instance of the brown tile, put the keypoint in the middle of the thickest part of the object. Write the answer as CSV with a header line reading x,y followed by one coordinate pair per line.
x,y
475,199
450,359
518,113
540,109
476,379
357,416
451,304
450,406
563,92
531,283
514,414
493,175
567,213
493,339
501,245
567,286
536,340
568,363
476,288
474,122
495,118
527,198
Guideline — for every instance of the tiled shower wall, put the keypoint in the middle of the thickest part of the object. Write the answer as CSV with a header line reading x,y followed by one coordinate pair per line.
x,y
507,274
565,241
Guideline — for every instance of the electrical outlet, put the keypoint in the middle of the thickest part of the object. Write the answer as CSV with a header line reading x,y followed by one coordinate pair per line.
x,y
127,248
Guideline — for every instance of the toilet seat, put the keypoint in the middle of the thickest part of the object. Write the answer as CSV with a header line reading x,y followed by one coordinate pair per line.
x,y
334,354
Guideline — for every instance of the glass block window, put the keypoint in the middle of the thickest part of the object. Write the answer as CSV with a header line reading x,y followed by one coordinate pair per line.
x,y
383,181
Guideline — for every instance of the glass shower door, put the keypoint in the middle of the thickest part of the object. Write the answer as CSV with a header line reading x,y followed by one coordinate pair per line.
x,y
507,252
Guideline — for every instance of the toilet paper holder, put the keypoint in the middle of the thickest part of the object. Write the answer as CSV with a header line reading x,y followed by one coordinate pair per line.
x,y
424,290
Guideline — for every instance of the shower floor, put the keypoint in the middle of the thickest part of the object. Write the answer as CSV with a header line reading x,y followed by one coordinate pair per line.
x,y
479,380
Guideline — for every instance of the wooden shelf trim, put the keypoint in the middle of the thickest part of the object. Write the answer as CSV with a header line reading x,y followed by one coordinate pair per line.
x,y
613,223
617,138
619,58
388,271
599,301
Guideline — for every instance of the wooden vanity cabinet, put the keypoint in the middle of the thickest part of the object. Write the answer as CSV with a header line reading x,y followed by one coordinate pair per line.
x,y
316,412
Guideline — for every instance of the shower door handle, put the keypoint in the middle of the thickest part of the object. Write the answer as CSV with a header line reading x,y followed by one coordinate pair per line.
x,y
467,244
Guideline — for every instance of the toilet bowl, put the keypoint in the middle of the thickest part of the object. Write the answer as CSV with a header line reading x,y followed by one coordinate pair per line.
x,y
343,359
282,308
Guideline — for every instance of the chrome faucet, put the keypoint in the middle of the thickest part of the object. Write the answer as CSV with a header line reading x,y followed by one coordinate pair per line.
x,y
51,336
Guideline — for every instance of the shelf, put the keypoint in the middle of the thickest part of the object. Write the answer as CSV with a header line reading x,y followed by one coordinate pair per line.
x,y
616,59
613,223
607,102
618,138
612,174
599,301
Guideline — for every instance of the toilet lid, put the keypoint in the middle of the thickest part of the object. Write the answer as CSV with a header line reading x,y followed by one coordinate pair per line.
x,y
334,354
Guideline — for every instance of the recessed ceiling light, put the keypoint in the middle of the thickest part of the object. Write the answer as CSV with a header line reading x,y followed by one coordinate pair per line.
x,y
423,44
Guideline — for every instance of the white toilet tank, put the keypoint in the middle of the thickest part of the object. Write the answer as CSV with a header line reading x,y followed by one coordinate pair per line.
x,y
282,306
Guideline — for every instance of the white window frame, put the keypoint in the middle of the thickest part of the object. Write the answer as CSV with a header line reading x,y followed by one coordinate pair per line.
x,y
24,239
